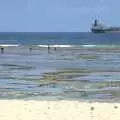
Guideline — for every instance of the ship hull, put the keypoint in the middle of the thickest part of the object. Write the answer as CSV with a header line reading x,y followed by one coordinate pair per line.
x,y
103,31
98,31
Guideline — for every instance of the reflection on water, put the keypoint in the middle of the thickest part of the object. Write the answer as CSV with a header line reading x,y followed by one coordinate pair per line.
x,y
67,72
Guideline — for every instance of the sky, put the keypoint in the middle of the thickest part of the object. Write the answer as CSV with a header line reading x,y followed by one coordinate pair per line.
x,y
56,15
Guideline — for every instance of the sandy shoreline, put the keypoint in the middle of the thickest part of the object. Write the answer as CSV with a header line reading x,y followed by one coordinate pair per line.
x,y
58,110
53,108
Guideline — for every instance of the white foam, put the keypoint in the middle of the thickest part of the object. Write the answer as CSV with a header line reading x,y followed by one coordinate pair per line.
x,y
42,45
55,45
9,45
88,45
61,45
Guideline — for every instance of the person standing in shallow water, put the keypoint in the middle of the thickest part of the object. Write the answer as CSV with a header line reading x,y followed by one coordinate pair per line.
x,y
48,48
30,49
2,50
55,48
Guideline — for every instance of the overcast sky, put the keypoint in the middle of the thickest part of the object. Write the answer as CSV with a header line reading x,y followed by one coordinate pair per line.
x,y
56,15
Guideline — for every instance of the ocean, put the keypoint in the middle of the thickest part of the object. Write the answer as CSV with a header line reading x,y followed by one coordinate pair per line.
x,y
70,65
59,38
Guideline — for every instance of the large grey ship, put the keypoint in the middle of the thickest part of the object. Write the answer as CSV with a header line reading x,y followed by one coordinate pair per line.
x,y
100,28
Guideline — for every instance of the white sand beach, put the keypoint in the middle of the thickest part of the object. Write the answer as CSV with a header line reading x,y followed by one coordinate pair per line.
x,y
57,110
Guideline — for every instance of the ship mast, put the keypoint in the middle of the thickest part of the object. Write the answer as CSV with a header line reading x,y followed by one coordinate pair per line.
x,y
95,23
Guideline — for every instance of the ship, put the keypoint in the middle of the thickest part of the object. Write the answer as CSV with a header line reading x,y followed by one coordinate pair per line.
x,y
101,28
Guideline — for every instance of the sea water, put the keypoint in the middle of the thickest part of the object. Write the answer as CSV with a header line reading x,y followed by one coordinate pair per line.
x,y
77,65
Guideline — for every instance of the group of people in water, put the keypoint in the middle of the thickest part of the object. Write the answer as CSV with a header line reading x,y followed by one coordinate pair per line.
x,y
49,48
30,49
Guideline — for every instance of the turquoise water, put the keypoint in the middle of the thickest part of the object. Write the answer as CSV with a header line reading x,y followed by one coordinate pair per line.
x,y
72,70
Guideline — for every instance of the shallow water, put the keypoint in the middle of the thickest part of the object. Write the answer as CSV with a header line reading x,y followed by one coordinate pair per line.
x,y
79,73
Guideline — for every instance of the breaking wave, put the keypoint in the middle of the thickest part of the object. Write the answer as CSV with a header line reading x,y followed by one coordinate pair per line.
x,y
61,46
